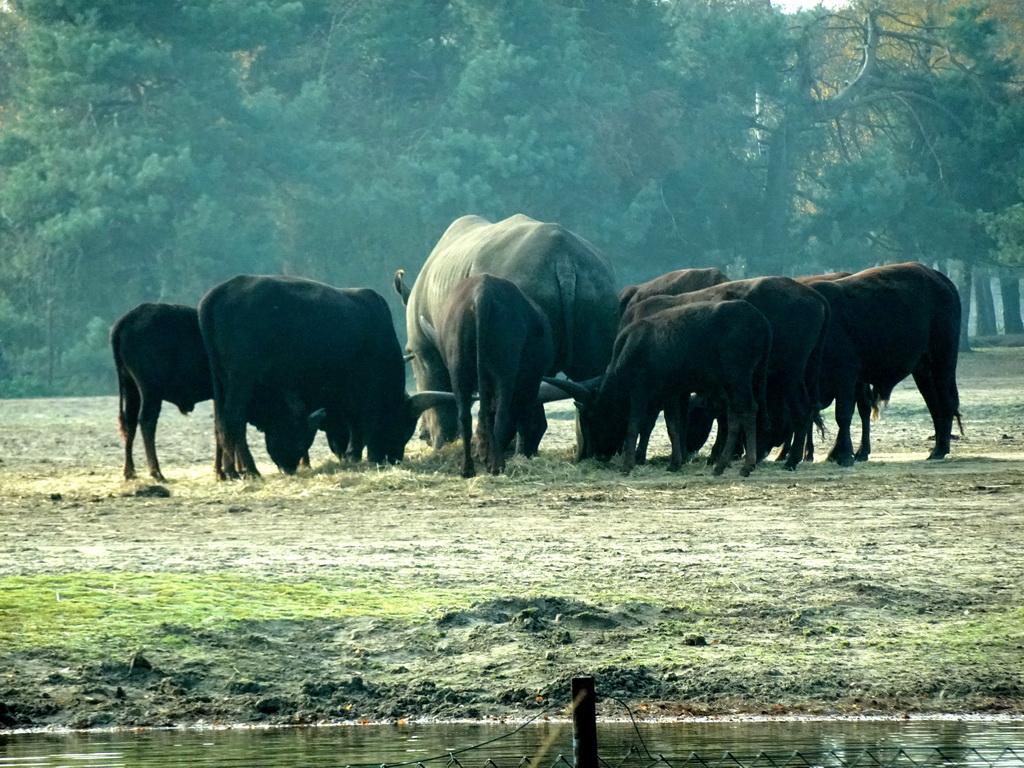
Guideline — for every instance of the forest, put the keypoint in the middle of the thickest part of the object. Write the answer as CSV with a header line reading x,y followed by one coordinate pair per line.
x,y
150,149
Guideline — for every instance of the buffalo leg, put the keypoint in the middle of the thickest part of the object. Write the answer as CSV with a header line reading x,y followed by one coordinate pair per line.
x,y
356,440
699,419
942,416
233,424
485,423
842,450
864,411
638,407
465,405
504,427
785,449
718,447
531,427
749,421
677,411
147,425
802,415
220,460
730,442
645,435
806,424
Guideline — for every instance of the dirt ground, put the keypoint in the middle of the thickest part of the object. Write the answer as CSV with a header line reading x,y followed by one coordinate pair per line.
x,y
355,593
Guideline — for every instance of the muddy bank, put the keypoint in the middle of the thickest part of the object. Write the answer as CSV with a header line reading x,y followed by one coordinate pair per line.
x,y
350,593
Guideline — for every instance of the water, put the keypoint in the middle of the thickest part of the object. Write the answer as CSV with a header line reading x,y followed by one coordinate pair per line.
x,y
542,742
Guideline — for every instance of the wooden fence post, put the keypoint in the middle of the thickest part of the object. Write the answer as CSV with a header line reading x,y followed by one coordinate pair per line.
x,y
584,723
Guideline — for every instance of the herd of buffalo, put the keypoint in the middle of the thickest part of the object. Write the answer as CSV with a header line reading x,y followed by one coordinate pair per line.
x,y
519,313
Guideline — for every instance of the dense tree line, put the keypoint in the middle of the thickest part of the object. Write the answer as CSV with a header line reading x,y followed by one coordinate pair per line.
x,y
152,148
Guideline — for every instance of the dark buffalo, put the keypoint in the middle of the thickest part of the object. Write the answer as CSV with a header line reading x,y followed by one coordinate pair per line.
x,y
567,277
321,347
888,323
701,416
159,355
495,340
799,319
834,337
719,349
671,284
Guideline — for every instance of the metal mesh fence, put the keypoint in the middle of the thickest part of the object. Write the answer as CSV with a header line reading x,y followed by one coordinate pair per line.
x,y
871,757
587,755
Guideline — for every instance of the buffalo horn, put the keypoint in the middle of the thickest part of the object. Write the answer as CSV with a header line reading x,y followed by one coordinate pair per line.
x,y
550,393
422,401
316,419
409,357
582,391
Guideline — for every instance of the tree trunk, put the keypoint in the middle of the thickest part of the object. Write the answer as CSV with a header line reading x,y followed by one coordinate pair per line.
x,y
964,286
1009,289
985,314
774,236
51,349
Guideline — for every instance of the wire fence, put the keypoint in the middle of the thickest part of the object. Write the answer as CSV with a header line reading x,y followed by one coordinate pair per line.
x,y
868,757
587,755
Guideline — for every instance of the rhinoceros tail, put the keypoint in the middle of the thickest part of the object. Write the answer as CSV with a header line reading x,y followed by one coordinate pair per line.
x,y
565,274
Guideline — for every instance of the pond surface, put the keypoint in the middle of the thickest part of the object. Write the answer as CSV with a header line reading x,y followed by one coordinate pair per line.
x,y
963,742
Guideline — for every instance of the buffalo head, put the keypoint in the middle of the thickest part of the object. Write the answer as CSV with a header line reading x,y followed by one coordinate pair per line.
x,y
601,415
288,439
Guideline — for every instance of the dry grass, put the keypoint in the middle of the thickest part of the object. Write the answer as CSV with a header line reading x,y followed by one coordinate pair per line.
x,y
892,585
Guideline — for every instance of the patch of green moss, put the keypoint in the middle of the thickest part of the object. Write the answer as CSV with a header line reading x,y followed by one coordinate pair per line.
x,y
80,612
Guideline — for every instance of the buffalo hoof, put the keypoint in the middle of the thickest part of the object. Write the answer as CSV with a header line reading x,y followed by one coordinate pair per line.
x,y
129,474
159,476
789,467
745,470
936,456
468,473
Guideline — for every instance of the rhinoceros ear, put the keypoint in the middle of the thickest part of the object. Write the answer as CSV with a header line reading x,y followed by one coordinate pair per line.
x,y
316,419
400,286
582,391
423,401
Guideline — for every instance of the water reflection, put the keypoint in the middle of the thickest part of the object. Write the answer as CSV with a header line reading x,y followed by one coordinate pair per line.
x,y
542,742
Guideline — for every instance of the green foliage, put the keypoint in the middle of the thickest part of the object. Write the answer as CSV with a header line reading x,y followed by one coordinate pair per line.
x,y
149,149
